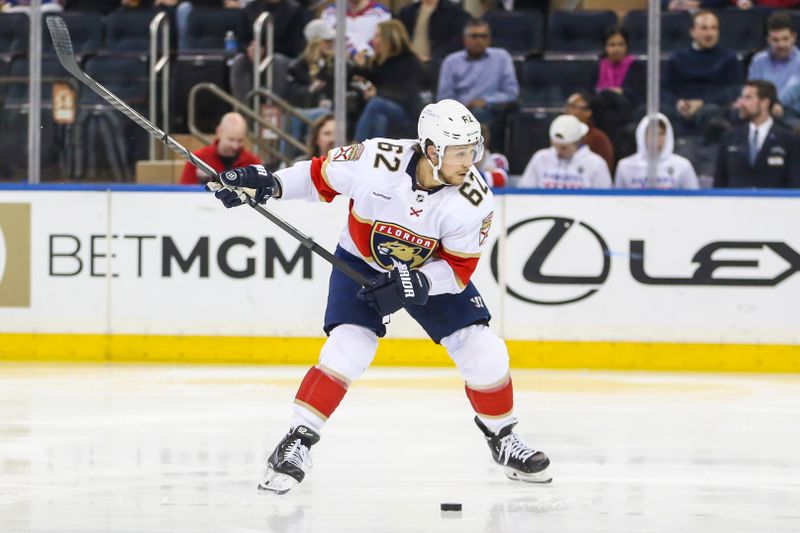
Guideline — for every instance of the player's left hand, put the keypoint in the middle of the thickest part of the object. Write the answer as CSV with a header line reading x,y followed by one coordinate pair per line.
x,y
388,292
229,189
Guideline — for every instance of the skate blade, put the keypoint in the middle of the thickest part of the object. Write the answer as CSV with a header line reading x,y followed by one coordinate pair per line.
x,y
542,476
277,483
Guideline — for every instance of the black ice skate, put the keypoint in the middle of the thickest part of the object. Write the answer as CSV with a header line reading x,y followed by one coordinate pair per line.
x,y
519,461
287,465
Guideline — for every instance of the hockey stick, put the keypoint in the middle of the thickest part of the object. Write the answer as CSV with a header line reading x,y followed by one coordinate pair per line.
x,y
63,46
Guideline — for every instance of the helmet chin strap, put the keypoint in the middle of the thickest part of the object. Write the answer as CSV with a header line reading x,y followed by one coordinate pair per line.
x,y
436,168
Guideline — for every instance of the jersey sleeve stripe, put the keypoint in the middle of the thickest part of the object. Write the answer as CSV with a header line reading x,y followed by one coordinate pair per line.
x,y
320,179
462,255
463,267
360,231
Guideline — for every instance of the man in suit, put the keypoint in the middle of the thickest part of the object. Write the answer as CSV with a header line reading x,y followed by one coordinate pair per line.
x,y
759,153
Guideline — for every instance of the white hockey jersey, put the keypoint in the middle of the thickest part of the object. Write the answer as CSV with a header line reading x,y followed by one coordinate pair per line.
x,y
392,219
584,170
673,171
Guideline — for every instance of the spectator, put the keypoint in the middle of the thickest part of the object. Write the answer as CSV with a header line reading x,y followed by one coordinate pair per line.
x,y
226,153
311,74
493,166
320,137
480,77
700,81
672,172
390,83
769,4
780,62
435,27
567,164
289,20
581,105
363,17
759,153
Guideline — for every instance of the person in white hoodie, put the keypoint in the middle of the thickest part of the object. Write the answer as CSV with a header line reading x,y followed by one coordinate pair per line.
x,y
673,171
567,164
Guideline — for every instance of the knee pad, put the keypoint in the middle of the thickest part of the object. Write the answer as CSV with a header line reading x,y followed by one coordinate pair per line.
x,y
348,352
480,355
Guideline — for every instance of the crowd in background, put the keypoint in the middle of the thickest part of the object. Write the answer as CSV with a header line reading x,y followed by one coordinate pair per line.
x,y
725,121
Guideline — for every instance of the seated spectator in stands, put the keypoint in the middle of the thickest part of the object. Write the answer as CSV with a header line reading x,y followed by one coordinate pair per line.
x,y
320,137
494,166
759,153
672,171
780,62
363,17
581,105
567,164
435,27
311,74
701,81
480,77
619,83
226,153
390,83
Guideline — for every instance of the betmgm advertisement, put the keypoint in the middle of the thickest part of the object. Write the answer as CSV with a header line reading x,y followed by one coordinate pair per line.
x,y
650,269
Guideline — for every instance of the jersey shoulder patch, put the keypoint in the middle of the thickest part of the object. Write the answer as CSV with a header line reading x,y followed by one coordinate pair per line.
x,y
347,153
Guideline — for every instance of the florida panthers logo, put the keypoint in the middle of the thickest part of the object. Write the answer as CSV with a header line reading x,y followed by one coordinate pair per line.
x,y
391,243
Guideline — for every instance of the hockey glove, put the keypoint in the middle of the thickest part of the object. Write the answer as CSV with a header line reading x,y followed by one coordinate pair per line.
x,y
229,190
390,291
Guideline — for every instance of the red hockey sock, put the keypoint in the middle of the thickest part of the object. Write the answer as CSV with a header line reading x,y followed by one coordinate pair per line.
x,y
320,392
493,402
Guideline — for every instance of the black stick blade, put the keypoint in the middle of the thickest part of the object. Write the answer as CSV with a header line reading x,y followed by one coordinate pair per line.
x,y
60,35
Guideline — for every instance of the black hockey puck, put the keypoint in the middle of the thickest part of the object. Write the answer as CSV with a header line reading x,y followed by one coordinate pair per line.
x,y
450,507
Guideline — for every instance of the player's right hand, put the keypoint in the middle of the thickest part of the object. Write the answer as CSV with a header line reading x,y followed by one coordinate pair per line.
x,y
229,190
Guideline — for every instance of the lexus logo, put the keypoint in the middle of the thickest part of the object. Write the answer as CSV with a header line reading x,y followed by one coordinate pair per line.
x,y
569,262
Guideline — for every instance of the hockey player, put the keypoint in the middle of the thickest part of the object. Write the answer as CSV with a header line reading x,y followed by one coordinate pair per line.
x,y
567,164
419,214
673,171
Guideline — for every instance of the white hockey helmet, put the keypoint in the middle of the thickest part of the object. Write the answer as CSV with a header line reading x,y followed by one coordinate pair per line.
x,y
449,123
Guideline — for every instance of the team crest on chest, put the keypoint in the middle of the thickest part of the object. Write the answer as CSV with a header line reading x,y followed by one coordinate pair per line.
x,y
391,243
348,153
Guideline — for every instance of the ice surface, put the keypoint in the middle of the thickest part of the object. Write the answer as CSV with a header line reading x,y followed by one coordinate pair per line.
x,y
119,448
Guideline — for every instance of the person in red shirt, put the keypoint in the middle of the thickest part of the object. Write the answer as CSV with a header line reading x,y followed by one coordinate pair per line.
x,y
226,153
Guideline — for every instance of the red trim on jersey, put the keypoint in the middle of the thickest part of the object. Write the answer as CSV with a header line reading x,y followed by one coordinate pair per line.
x,y
321,391
360,232
462,266
495,402
318,179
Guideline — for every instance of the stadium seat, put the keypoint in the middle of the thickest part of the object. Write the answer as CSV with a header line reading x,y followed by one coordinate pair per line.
x,y
125,76
528,131
548,83
13,34
188,71
675,26
85,29
742,31
578,32
56,139
207,27
128,31
110,141
519,32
